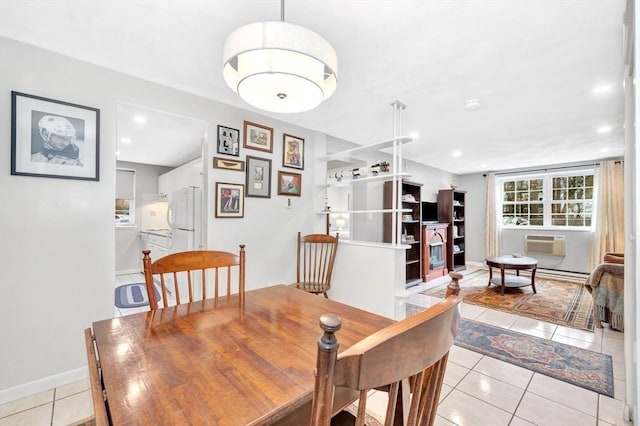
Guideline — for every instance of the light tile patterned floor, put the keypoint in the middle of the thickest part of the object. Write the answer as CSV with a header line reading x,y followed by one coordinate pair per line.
x,y
478,390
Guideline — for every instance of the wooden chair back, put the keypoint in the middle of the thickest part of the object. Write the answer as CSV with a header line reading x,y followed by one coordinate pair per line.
x,y
179,271
407,359
315,259
98,395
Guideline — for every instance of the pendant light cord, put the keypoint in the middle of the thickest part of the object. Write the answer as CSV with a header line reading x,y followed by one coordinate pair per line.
x,y
282,10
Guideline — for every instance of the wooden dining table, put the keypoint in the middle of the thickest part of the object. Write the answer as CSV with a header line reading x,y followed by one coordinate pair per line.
x,y
213,362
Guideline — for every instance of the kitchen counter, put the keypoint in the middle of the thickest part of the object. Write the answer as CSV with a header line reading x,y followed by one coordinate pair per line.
x,y
159,232
158,241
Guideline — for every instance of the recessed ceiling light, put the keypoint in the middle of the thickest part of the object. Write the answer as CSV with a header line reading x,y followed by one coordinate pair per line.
x,y
456,153
413,135
140,119
483,166
472,104
604,129
117,153
125,140
605,149
602,89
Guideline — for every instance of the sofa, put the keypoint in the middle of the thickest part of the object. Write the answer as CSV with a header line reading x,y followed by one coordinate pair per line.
x,y
606,285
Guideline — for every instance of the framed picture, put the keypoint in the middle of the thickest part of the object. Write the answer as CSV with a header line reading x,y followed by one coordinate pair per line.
x,y
228,141
228,164
258,137
258,177
292,152
289,183
229,199
54,139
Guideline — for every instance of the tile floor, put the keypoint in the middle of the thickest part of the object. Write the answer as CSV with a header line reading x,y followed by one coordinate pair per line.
x,y
478,390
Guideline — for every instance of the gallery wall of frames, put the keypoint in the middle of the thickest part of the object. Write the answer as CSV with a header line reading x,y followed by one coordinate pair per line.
x,y
257,140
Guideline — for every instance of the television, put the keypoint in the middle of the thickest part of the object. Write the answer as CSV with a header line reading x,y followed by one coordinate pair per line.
x,y
430,211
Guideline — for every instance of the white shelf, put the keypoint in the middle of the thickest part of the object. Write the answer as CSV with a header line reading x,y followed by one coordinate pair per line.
x,y
398,246
381,176
366,211
349,155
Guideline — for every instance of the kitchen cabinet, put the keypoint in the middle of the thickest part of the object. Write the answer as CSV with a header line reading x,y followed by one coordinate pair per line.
x,y
156,241
189,174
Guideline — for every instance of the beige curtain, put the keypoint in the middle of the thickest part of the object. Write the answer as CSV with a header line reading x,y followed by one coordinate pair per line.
x,y
609,226
493,229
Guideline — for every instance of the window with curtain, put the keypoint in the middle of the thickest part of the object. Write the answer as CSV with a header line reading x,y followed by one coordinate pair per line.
x,y
125,197
550,200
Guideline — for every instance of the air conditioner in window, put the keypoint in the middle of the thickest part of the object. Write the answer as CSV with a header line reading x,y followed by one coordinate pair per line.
x,y
555,245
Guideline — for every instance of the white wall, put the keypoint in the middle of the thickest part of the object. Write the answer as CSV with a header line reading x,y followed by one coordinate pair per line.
x,y
57,239
432,179
370,278
270,225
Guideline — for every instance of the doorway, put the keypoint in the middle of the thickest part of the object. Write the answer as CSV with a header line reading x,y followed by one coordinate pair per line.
x,y
151,143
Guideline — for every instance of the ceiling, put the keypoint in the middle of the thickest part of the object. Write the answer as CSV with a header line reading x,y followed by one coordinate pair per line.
x,y
533,65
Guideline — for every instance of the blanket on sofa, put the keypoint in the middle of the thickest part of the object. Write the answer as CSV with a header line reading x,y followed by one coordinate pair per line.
x,y
606,285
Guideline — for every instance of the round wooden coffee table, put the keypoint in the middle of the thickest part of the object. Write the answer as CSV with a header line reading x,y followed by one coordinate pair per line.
x,y
515,263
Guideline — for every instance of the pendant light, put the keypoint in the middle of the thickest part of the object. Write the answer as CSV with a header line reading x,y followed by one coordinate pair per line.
x,y
280,67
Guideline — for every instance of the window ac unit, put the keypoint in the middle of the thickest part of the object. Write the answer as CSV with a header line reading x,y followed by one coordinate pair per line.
x,y
555,245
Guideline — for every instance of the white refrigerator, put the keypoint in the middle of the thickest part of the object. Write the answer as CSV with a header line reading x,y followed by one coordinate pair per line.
x,y
184,216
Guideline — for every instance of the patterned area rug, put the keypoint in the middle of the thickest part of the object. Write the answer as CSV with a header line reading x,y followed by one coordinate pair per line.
x,y
581,367
562,302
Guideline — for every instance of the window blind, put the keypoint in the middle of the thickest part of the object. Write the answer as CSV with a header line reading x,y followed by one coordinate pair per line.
x,y
125,181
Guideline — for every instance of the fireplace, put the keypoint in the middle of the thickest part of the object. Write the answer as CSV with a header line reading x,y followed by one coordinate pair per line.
x,y
436,259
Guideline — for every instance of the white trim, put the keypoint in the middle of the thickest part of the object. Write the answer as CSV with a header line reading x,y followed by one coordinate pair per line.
x,y
128,271
43,384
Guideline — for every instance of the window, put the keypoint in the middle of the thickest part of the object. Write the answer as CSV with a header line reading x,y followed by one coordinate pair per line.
x,y
549,200
125,197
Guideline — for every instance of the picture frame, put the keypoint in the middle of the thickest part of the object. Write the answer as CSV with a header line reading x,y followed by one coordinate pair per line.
x,y
289,184
228,141
228,164
258,137
292,152
53,138
229,199
258,177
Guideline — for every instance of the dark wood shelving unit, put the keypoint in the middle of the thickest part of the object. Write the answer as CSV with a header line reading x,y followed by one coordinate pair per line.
x,y
451,209
411,226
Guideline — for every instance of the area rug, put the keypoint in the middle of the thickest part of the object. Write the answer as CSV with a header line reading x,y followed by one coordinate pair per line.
x,y
587,369
558,301
132,295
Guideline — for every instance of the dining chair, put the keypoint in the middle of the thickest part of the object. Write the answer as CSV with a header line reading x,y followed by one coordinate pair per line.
x,y
315,258
406,359
177,272
101,418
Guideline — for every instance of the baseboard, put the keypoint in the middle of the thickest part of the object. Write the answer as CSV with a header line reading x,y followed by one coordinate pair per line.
x,y
41,385
128,271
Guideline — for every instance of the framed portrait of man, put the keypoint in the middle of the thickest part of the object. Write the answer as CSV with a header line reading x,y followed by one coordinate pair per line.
x,y
56,139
